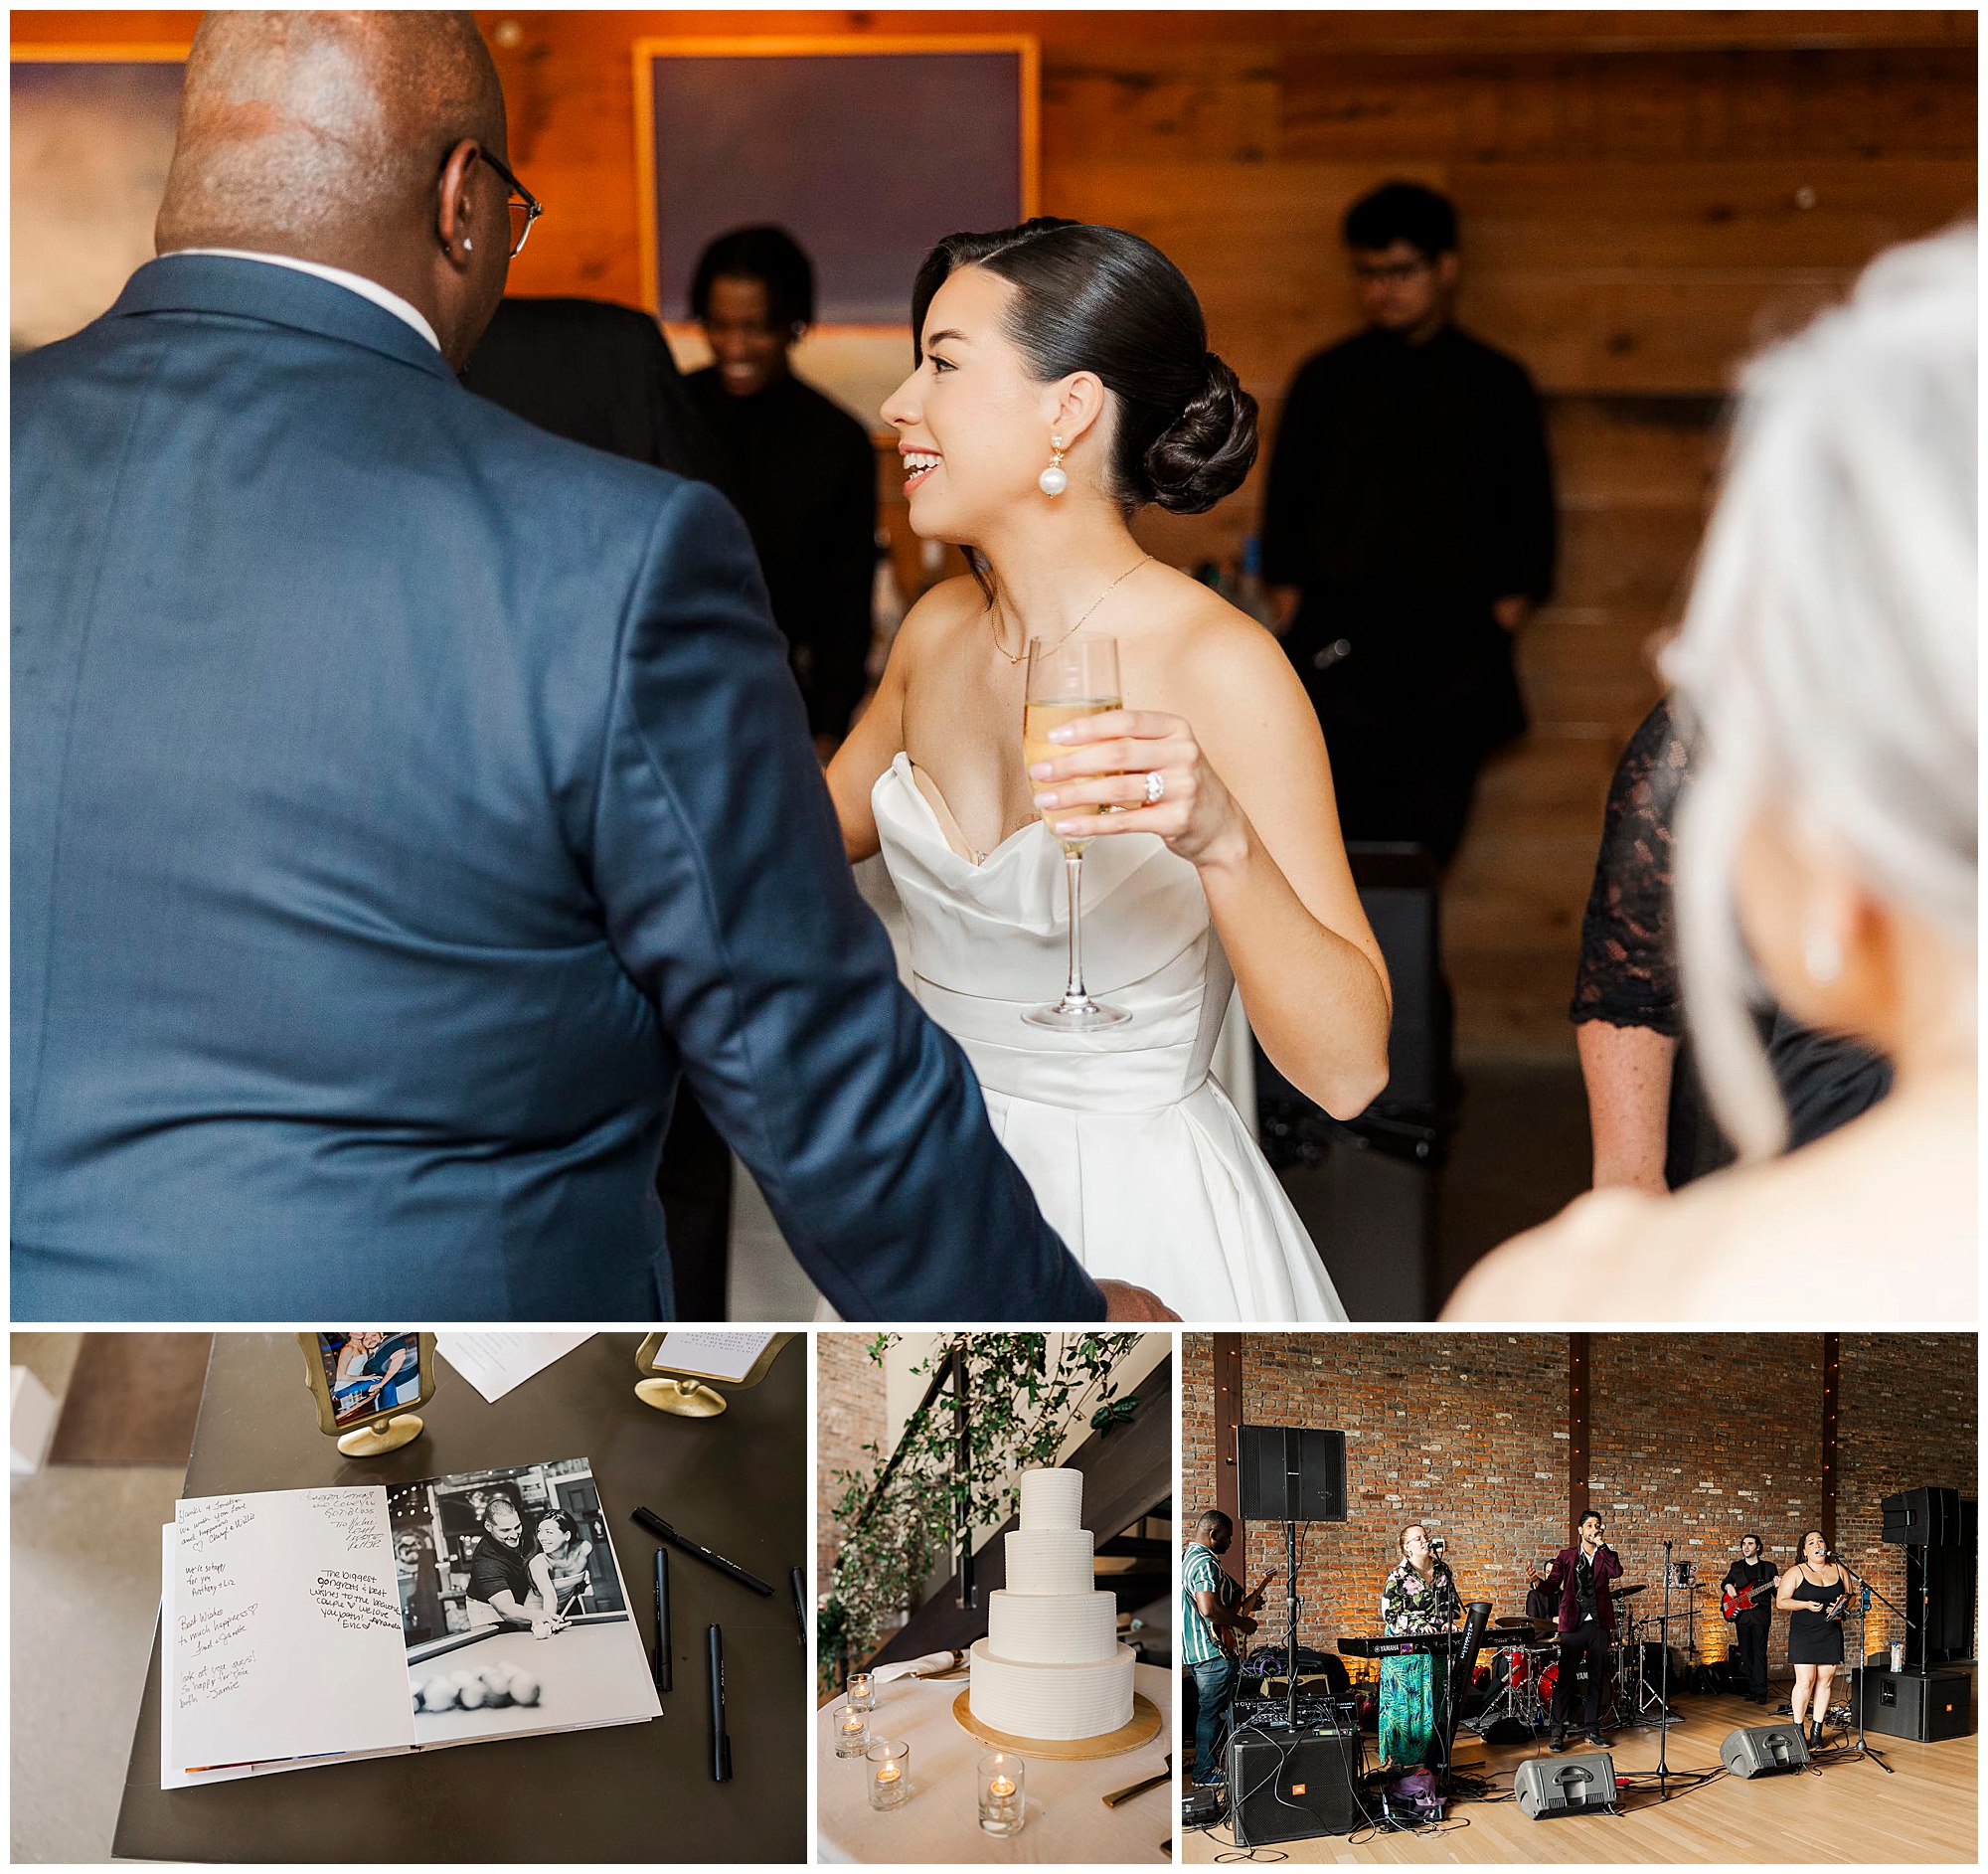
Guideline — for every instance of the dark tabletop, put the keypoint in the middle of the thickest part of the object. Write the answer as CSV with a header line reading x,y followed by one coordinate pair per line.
x,y
622,1792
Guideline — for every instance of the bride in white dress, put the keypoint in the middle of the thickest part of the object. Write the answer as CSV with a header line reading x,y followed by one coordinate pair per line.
x,y
1084,348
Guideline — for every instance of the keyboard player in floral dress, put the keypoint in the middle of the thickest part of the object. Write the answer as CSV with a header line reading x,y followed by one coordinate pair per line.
x,y
1419,1598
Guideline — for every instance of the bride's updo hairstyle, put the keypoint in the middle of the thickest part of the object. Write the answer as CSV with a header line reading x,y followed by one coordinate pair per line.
x,y
1101,300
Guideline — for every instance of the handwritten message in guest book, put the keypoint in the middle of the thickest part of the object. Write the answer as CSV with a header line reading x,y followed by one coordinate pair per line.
x,y
308,1626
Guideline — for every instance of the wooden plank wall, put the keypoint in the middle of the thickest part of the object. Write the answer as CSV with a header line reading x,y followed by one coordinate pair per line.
x,y
1646,198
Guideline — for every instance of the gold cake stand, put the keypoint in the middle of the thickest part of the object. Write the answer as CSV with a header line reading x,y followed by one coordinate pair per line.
x,y
1142,1728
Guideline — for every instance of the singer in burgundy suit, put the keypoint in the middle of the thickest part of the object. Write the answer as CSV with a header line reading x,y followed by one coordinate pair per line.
x,y
1586,1623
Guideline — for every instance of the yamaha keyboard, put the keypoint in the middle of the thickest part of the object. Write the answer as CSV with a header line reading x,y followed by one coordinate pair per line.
x,y
1393,1645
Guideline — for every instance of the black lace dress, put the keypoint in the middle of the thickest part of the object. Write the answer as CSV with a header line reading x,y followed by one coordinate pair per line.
x,y
1628,972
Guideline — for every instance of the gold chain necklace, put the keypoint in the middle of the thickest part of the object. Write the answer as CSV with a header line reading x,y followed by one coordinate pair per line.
x,y
1142,560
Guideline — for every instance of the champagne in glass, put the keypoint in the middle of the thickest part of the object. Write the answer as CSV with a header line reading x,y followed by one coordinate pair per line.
x,y
1068,682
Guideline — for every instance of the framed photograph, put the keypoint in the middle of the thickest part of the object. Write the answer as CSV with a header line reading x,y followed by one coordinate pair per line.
x,y
363,1375
866,150
91,136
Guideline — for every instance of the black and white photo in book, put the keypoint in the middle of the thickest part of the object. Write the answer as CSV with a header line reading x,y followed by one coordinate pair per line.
x,y
279,1645
512,1603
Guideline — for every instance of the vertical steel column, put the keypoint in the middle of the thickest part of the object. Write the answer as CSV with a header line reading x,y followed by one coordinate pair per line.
x,y
1228,1422
1831,1359
1580,1399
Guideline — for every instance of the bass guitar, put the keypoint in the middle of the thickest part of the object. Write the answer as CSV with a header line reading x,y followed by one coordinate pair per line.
x,y
1733,1602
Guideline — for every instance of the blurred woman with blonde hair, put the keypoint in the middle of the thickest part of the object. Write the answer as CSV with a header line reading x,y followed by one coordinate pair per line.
x,y
1827,844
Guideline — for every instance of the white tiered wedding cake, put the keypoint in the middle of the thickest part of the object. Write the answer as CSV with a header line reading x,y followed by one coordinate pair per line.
x,y
1051,1668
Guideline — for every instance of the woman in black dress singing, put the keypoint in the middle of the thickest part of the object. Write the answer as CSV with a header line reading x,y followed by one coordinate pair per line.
x,y
1813,1594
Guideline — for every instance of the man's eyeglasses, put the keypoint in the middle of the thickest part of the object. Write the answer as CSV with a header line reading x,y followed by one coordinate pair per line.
x,y
1391,273
525,208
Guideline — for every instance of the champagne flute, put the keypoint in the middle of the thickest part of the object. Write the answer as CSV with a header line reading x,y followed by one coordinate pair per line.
x,y
1069,681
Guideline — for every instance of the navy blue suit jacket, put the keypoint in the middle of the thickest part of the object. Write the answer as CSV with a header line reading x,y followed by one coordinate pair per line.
x,y
403,799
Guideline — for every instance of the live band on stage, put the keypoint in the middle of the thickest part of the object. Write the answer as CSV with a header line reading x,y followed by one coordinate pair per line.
x,y
1600,1650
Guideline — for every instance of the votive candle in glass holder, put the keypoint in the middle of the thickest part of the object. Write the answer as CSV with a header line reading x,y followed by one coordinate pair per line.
x,y
851,1731
1000,1780
890,1773
862,1692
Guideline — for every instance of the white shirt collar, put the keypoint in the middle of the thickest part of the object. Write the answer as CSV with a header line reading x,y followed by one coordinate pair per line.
x,y
352,283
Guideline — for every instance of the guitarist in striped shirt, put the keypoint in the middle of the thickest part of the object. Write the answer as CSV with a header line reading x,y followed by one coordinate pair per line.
x,y
1213,1618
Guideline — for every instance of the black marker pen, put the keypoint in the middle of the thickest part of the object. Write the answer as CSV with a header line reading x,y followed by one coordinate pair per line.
x,y
662,1531
720,1745
663,1668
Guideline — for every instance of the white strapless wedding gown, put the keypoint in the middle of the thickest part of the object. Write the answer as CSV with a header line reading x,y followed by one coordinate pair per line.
x,y
1135,1154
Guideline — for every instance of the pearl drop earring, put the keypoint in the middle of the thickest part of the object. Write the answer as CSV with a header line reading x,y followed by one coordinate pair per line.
x,y
467,244
1822,958
1053,481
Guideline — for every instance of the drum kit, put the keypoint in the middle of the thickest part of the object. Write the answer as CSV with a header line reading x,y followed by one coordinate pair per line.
x,y
1524,1656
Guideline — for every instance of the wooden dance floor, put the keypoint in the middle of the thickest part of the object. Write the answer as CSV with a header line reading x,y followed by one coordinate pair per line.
x,y
1845,1809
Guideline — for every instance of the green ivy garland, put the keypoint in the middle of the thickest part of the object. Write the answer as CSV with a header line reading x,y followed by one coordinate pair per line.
x,y
1023,1407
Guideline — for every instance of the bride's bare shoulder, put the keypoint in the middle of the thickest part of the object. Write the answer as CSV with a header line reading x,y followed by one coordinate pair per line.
x,y
1231,665
940,616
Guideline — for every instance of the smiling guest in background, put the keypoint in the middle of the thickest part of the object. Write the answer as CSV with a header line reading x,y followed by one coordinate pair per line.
x,y
800,467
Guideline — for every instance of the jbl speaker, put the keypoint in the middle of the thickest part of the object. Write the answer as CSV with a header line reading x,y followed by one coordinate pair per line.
x,y
1923,1706
1763,1749
1287,1474
1565,1786
1293,1788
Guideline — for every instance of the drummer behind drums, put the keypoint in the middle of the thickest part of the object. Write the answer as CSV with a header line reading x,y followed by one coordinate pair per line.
x,y
1585,1621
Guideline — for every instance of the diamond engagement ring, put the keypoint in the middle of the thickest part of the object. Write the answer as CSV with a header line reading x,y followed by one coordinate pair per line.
x,y
1156,787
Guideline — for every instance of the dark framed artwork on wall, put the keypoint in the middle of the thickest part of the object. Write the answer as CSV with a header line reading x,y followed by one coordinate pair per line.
x,y
867,150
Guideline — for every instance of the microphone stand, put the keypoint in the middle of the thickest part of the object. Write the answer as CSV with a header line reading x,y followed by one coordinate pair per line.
x,y
1664,1688
1867,1594
1291,1627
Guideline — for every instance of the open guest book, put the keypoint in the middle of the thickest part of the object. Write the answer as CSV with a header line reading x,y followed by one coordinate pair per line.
x,y
309,1627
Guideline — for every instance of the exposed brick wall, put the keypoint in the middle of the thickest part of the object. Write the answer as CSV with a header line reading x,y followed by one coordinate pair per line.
x,y
849,1413
1441,1429
1909,1416
1696,1438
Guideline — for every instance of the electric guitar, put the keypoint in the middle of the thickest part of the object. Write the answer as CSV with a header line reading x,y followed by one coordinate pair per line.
x,y
1226,1638
1733,1602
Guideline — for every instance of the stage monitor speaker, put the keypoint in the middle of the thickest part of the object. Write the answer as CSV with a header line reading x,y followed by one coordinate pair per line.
x,y
1923,1706
1294,1788
1287,1474
1566,1785
1763,1749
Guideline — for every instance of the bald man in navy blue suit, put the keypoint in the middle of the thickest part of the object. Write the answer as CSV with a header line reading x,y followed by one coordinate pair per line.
x,y
405,799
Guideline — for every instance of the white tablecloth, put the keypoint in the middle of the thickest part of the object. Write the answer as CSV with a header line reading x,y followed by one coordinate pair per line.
x,y
939,1821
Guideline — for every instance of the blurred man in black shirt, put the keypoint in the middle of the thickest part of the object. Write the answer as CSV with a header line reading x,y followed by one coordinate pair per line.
x,y
1750,1630
1409,532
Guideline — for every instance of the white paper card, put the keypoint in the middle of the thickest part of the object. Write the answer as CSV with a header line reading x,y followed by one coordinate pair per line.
x,y
721,1356
496,1364
285,1633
